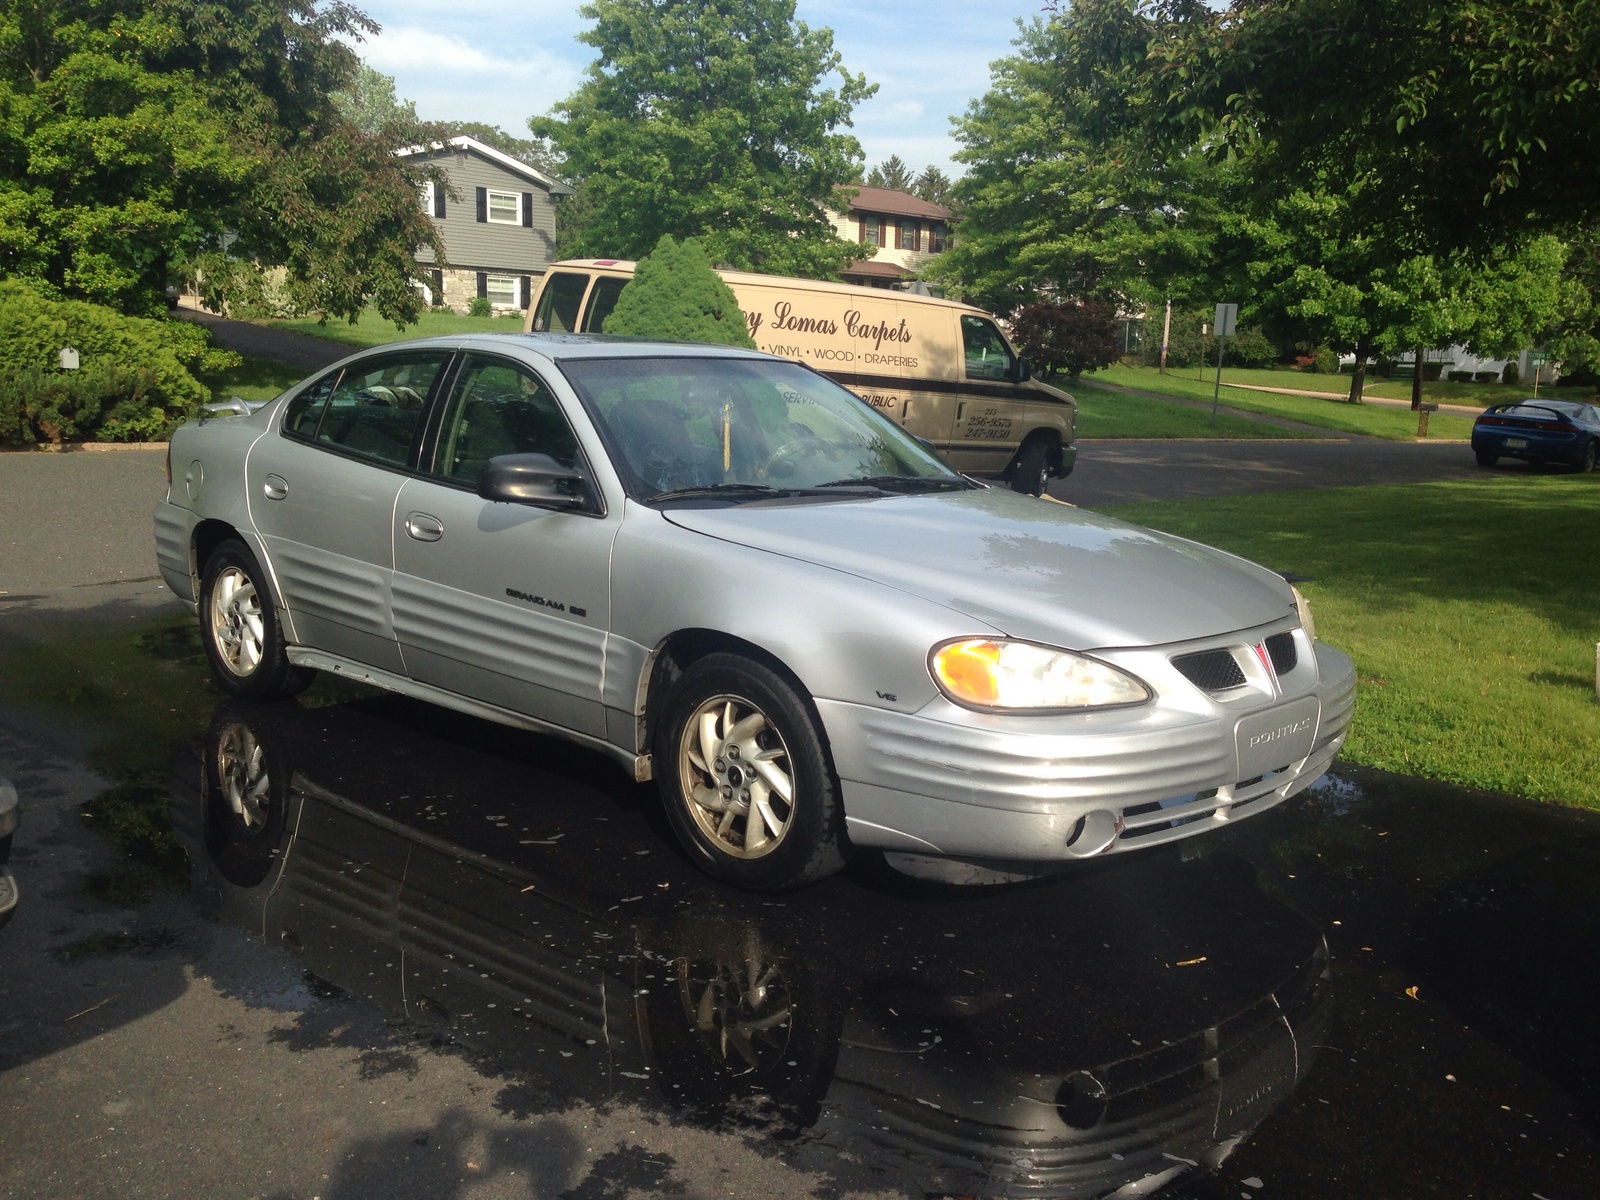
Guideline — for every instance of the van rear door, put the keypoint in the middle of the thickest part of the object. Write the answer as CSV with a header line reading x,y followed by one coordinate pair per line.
x,y
560,302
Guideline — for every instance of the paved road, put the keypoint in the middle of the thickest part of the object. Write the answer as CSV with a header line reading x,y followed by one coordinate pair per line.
x,y
1122,472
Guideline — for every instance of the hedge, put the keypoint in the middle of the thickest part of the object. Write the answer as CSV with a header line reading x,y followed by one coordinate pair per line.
x,y
136,380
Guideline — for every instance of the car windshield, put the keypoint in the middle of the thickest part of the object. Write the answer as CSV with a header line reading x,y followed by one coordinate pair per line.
x,y
738,430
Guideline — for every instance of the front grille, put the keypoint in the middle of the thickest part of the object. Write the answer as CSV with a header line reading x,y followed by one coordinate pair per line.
x,y
1210,670
1280,648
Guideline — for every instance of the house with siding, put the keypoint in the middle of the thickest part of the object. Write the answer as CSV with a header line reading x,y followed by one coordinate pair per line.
x,y
897,232
497,219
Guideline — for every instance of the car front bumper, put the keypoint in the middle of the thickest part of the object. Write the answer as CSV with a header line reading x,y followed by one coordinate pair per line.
x,y
949,782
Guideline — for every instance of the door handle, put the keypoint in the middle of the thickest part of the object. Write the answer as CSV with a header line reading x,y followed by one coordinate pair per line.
x,y
275,486
424,528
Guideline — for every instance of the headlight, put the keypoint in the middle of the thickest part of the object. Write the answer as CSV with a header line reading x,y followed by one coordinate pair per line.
x,y
987,673
1303,607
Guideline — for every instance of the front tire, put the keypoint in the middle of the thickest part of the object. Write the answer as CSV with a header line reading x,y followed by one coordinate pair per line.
x,y
1591,454
746,780
239,628
1031,473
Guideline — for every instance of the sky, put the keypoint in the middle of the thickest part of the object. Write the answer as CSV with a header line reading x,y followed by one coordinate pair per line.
x,y
499,62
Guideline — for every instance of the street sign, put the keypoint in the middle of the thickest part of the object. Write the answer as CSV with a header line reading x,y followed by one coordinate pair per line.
x,y
1538,358
1227,316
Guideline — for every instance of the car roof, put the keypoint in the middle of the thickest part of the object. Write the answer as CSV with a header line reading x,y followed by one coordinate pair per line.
x,y
560,346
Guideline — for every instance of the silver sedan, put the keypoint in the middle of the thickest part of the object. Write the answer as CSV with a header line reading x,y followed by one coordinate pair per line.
x,y
734,577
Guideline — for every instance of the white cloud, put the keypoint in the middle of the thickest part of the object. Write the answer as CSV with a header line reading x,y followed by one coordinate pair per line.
x,y
408,48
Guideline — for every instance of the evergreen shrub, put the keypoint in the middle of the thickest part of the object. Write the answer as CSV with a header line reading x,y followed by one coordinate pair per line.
x,y
676,296
136,380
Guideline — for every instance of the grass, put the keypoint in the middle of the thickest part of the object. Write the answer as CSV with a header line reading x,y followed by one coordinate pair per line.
x,y
373,330
254,379
1395,424
1470,610
1108,414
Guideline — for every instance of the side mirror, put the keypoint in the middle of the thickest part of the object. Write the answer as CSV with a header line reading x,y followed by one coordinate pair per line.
x,y
1024,370
534,479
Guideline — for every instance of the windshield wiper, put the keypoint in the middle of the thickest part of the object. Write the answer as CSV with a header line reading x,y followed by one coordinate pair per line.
x,y
757,490
903,483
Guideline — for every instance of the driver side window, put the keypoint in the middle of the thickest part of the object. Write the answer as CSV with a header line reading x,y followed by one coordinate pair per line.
x,y
988,356
501,408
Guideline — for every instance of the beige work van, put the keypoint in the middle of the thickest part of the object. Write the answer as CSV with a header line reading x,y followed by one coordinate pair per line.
x,y
941,369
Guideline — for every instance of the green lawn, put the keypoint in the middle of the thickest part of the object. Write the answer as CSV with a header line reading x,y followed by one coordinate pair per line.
x,y
1470,608
1107,414
252,379
373,330
1396,424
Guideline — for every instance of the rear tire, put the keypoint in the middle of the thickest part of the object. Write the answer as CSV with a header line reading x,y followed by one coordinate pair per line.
x,y
1030,474
1487,458
239,628
733,739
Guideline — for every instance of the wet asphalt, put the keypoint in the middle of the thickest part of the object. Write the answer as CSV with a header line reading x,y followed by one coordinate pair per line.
x,y
434,957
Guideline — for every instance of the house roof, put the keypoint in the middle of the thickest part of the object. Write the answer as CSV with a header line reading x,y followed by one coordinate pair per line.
x,y
897,204
463,142
879,270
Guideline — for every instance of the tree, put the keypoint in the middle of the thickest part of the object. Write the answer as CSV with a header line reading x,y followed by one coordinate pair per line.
x,y
1466,121
370,105
676,296
1046,211
709,121
933,185
141,141
1072,338
892,173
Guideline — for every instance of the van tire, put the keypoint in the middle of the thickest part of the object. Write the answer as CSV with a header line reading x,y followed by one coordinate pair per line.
x,y
1031,471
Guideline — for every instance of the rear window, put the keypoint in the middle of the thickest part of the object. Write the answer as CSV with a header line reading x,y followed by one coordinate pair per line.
x,y
1553,410
559,303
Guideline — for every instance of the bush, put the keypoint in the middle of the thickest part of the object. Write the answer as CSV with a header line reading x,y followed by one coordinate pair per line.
x,y
1486,376
1068,338
136,381
1431,371
1324,361
676,296
1189,347
1459,377
1510,375
480,307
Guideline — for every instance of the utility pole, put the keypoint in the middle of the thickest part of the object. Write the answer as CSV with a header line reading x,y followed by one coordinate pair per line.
x,y
1227,315
1166,336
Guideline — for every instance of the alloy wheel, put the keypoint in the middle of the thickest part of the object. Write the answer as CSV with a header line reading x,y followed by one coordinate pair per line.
x,y
236,622
737,777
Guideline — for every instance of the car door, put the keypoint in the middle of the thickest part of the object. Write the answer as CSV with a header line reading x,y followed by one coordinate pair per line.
x,y
988,419
504,603
322,490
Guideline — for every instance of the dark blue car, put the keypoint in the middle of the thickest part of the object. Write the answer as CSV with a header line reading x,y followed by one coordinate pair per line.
x,y
1540,431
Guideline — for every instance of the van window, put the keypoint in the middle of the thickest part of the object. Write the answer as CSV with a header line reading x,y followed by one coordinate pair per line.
x,y
559,303
601,301
988,356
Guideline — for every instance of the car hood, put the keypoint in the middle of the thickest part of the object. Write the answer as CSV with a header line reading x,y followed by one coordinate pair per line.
x,y
1030,568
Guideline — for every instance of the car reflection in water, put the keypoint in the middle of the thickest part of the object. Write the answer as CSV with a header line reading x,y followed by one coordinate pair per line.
x,y
1100,1033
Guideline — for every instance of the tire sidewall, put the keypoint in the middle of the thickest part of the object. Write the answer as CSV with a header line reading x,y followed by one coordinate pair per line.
x,y
273,677
814,843
1031,475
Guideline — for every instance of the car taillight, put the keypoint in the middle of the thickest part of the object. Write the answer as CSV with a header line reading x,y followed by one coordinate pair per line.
x,y
1564,427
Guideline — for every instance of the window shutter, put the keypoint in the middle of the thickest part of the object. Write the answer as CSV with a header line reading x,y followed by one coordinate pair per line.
x,y
863,238
883,229
438,287
483,207
483,276
438,199
525,291
527,210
